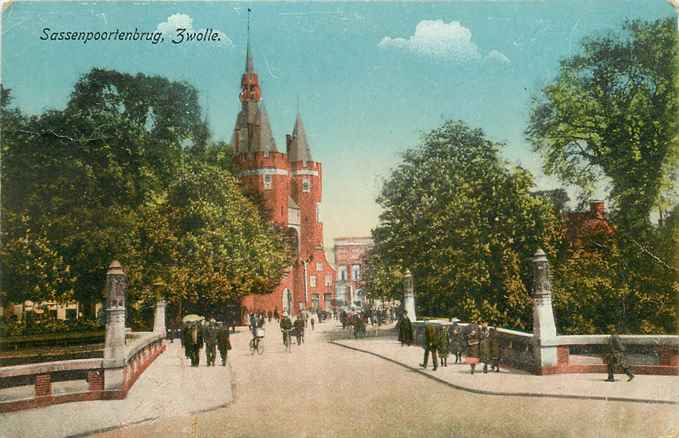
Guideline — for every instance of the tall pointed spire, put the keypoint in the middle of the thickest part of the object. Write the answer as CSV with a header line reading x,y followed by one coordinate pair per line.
x,y
249,65
252,133
298,149
250,90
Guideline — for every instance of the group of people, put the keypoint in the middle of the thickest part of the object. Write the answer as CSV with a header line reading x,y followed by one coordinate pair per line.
x,y
296,329
287,326
356,320
212,335
480,345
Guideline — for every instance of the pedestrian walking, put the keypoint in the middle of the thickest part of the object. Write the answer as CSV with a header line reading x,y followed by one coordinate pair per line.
x,y
186,341
405,330
223,342
313,323
430,346
495,350
299,329
193,343
484,347
443,346
616,358
457,343
211,343
359,326
473,346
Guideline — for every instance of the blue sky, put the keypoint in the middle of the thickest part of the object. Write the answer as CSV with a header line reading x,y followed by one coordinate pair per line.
x,y
371,76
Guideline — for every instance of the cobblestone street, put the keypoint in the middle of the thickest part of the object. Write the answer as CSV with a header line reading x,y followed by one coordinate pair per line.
x,y
324,390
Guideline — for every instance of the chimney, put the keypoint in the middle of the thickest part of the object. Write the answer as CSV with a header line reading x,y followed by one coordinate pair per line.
x,y
598,209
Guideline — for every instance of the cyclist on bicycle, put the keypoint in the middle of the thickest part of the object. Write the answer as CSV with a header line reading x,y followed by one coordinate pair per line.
x,y
299,330
286,326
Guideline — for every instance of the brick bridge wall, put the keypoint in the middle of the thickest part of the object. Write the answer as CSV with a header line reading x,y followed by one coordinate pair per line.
x,y
140,356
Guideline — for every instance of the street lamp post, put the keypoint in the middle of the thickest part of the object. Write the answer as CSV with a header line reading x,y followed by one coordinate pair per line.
x,y
159,316
409,296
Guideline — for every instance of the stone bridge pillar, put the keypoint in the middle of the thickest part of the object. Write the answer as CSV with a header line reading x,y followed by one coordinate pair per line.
x,y
159,318
114,346
544,327
409,296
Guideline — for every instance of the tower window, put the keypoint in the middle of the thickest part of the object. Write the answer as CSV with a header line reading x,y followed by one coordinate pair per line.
x,y
306,184
268,182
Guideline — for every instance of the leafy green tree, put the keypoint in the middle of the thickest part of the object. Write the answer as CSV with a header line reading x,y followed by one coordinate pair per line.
x,y
380,280
610,117
612,112
465,224
217,232
127,171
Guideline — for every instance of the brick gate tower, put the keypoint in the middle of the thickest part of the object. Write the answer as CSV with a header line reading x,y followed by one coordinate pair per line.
x,y
290,185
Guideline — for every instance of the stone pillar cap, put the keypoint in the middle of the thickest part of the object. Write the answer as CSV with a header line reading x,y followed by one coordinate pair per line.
x,y
115,268
540,254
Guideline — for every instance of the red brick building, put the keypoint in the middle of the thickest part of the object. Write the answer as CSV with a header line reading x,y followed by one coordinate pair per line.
x,y
350,253
583,226
290,183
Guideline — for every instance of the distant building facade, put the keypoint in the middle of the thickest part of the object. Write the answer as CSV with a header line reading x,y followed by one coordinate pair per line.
x,y
350,257
291,186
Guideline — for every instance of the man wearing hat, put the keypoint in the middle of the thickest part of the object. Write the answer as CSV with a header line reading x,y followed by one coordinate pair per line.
x,y
430,345
484,347
223,342
211,343
616,357
405,330
286,325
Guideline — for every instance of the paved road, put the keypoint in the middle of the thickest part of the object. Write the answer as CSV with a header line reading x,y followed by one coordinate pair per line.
x,y
322,390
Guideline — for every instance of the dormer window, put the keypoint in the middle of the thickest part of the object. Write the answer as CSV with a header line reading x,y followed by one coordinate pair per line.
x,y
306,184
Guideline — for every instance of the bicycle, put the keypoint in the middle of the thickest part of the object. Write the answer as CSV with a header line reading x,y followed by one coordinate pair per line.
x,y
256,343
287,340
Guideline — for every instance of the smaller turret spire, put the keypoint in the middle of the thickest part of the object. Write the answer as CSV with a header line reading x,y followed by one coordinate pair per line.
x,y
298,148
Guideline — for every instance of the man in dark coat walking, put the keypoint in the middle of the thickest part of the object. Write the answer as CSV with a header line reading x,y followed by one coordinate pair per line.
x,y
616,358
430,345
405,330
223,342
299,329
211,343
193,342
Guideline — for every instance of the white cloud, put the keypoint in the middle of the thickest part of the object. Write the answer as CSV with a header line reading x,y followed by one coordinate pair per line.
x,y
174,22
441,40
184,21
438,39
497,56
